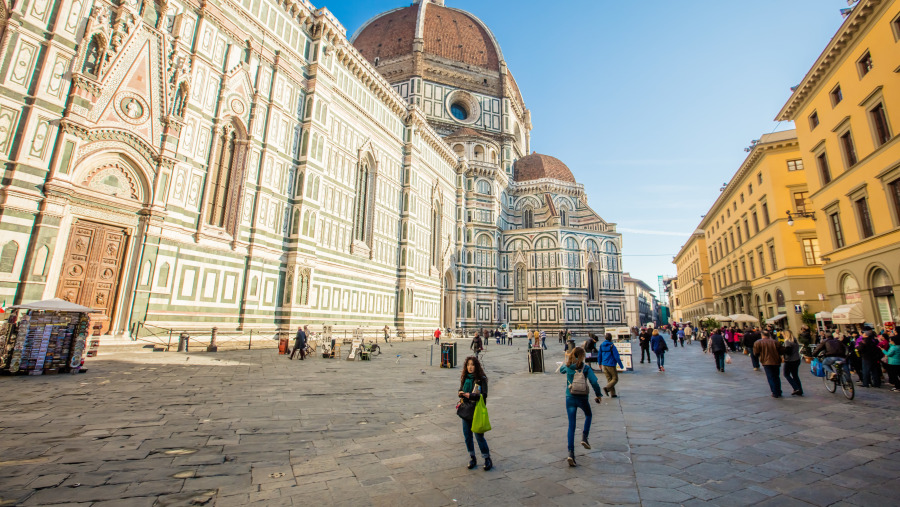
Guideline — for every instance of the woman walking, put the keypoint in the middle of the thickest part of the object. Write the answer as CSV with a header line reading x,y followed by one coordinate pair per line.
x,y
659,347
718,347
473,385
577,379
893,362
792,362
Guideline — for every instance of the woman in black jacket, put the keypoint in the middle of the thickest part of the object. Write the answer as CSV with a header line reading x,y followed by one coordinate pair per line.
x,y
473,385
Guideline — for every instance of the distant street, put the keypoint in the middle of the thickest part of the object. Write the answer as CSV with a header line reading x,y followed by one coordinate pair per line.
x,y
245,427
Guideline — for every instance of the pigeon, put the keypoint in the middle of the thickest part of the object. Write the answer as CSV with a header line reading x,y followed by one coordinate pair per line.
x,y
423,372
415,355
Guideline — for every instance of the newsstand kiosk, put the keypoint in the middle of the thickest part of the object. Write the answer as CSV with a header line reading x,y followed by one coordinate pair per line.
x,y
45,337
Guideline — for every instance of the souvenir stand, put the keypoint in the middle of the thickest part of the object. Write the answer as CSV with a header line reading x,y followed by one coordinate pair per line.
x,y
622,340
45,337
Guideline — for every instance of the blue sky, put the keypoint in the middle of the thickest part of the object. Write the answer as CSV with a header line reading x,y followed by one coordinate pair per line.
x,y
649,103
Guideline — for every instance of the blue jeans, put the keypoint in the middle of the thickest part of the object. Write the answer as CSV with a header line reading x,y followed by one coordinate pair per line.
x,y
773,375
573,403
790,373
720,360
660,359
470,446
829,361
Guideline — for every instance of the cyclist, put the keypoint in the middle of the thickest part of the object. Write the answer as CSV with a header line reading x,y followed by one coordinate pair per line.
x,y
834,351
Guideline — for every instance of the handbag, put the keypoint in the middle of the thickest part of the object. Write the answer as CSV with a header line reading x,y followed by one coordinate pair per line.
x,y
480,421
816,367
465,409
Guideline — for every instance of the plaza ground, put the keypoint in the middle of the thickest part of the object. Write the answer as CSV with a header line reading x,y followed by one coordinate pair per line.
x,y
245,427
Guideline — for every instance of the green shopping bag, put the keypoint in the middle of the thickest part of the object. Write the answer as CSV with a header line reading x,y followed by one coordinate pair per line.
x,y
480,421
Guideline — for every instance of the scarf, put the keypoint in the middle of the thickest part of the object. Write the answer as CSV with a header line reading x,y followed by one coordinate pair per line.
x,y
469,383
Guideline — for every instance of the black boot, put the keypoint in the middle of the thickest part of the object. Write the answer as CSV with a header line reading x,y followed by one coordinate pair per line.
x,y
472,463
571,458
488,464
584,442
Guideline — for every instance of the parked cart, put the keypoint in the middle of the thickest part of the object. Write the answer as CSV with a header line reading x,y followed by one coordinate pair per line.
x,y
45,337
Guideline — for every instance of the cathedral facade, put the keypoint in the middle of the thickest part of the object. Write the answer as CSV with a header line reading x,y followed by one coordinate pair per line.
x,y
246,164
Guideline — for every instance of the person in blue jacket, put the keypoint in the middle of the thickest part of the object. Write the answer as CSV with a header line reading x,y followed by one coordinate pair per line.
x,y
609,359
659,347
573,366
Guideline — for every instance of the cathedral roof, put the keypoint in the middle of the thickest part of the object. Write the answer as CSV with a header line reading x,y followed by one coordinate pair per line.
x,y
537,166
448,33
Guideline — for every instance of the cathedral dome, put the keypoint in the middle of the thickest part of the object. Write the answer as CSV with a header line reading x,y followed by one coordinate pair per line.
x,y
447,33
537,166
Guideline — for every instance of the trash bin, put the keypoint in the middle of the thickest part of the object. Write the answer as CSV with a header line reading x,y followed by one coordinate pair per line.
x,y
448,355
283,347
536,360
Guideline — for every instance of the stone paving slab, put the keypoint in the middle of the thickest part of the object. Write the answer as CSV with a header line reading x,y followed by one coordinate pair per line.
x,y
253,428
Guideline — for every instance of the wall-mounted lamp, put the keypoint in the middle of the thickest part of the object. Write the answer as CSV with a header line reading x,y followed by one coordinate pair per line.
x,y
800,214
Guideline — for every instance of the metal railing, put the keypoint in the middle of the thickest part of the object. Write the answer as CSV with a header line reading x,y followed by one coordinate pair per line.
x,y
206,338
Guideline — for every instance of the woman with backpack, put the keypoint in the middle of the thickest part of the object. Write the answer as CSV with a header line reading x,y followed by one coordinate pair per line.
x,y
578,377
473,386
659,347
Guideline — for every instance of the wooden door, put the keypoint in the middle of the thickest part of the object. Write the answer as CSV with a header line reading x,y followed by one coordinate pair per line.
x,y
92,267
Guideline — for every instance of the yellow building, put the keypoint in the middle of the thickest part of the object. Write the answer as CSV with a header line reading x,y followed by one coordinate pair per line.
x,y
693,289
763,263
846,111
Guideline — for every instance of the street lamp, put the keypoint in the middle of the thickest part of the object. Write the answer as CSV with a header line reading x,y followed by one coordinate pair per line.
x,y
800,214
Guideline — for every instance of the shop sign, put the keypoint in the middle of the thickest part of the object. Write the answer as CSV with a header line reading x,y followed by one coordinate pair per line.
x,y
883,291
853,297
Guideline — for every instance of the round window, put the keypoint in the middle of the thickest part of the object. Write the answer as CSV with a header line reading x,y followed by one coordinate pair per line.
x,y
459,111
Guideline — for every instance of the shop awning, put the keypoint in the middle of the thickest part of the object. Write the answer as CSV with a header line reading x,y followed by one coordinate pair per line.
x,y
720,318
776,318
743,317
54,305
848,314
823,316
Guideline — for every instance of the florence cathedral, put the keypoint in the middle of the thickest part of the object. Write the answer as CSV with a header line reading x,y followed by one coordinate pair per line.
x,y
247,164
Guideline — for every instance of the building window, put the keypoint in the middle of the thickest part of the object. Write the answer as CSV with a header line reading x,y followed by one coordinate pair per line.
x,y
865,220
864,64
772,255
849,150
93,57
750,189
361,217
894,188
762,261
529,218
221,176
800,201
520,283
752,266
836,230
759,178
747,228
436,235
755,223
811,251
765,213
813,120
879,121
795,165
737,227
836,95
563,218
742,198
824,171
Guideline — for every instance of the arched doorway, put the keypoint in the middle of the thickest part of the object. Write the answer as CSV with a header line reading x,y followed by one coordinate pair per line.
x,y
883,291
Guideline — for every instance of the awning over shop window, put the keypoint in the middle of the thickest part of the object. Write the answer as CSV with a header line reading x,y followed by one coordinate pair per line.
x,y
776,318
848,314
823,316
55,305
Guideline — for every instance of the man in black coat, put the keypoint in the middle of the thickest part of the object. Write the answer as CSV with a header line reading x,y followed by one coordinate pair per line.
x,y
749,339
644,338
300,344
718,347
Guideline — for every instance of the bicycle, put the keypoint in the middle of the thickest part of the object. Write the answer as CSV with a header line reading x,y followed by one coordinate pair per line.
x,y
371,348
839,377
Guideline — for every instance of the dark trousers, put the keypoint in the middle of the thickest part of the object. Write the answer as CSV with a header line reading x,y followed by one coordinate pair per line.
x,y
773,374
470,445
754,359
791,369
573,403
893,374
643,351
299,348
871,373
703,343
720,360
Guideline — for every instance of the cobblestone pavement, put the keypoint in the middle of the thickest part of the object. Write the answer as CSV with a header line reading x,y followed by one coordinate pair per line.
x,y
244,427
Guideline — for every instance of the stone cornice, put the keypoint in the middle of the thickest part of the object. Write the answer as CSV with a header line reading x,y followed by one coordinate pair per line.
x,y
749,163
418,120
545,185
834,52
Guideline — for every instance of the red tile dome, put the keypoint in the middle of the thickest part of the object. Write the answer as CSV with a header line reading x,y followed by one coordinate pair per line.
x,y
537,166
448,33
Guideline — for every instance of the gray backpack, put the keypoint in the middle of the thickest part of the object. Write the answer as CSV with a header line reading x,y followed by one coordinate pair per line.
x,y
579,385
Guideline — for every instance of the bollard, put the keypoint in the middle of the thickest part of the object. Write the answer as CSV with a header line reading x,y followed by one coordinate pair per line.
x,y
250,343
183,339
212,341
